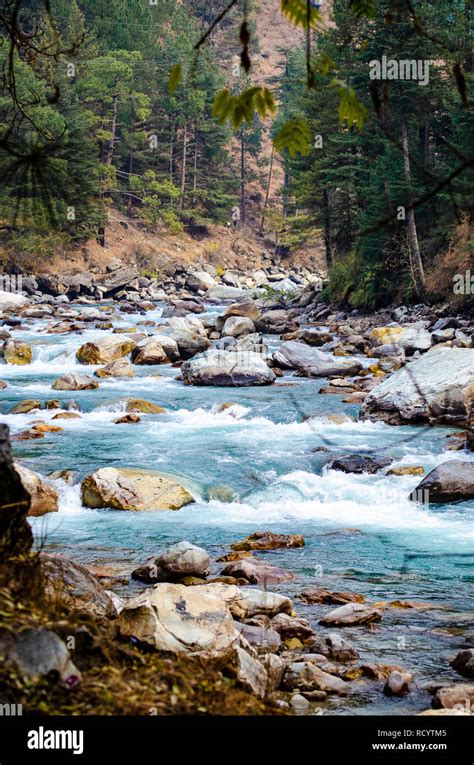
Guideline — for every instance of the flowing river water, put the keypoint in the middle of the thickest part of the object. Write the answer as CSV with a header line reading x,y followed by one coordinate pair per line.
x,y
361,531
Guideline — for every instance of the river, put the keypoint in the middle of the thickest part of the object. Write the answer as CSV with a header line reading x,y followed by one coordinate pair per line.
x,y
361,531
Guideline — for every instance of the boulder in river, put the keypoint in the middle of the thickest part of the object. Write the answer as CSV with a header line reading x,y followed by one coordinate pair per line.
x,y
248,308
397,683
263,639
118,368
313,362
351,614
181,559
200,281
188,341
44,497
226,368
236,326
17,352
355,463
410,338
75,381
12,300
105,350
172,617
133,489
463,662
291,627
322,595
256,572
141,406
23,407
264,602
457,696
307,676
149,352
268,540
431,388
452,481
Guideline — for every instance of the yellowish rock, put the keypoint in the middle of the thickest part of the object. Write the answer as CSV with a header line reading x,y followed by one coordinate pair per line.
x,y
133,489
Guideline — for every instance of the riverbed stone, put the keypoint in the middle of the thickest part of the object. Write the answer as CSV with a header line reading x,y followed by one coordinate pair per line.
x,y
256,571
75,586
262,639
250,672
313,362
248,309
456,696
200,281
44,497
176,561
225,368
75,381
406,470
431,388
452,481
17,352
236,326
323,595
141,406
463,663
118,368
264,602
268,540
23,407
133,489
128,419
172,617
149,352
351,614
397,683
307,676
36,652
356,463
105,350
291,627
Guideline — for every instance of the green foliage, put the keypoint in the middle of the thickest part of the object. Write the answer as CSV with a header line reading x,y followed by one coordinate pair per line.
x,y
300,13
242,107
294,136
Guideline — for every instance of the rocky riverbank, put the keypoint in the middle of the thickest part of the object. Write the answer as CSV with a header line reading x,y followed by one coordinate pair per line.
x,y
241,608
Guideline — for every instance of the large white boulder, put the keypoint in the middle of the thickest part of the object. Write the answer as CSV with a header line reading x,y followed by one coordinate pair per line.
x,y
226,368
313,362
133,489
180,619
431,388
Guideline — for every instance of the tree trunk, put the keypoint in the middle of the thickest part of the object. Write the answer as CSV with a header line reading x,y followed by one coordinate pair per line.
x,y
195,164
267,193
171,163
129,196
242,178
416,263
110,150
183,166
328,239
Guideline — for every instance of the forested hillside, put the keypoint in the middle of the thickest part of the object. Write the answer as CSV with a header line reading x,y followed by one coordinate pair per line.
x,y
121,105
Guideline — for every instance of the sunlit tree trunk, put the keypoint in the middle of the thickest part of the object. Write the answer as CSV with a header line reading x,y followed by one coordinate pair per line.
x,y
416,263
